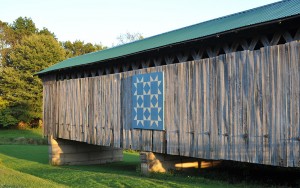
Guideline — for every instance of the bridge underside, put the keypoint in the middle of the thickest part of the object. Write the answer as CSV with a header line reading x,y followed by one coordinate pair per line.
x,y
67,152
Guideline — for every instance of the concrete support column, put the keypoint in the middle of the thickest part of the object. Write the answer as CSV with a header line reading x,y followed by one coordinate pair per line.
x,y
67,152
157,162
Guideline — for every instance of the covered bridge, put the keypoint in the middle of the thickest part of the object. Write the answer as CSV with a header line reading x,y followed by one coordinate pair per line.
x,y
224,89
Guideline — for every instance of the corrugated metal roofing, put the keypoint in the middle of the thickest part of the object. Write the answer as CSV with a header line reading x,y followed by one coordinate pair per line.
x,y
267,13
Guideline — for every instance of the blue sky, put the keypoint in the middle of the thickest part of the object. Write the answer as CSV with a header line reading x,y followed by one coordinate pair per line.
x,y
102,21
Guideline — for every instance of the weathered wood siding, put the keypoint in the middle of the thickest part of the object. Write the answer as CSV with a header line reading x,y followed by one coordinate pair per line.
x,y
242,106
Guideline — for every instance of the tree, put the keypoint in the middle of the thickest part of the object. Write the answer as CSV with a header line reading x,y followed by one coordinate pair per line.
x,y
5,36
22,27
25,50
45,31
129,37
12,34
18,87
79,48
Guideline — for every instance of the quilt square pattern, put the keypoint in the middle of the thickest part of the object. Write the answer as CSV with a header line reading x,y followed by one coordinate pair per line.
x,y
148,101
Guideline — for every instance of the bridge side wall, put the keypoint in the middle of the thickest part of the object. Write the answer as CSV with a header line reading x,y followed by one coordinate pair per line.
x,y
241,106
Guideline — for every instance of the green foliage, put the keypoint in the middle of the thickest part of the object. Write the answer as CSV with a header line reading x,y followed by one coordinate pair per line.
x,y
19,87
29,51
22,27
5,37
36,52
3,34
79,48
25,50
45,31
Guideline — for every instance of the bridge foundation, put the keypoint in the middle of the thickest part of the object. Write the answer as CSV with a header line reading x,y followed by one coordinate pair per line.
x,y
157,162
67,152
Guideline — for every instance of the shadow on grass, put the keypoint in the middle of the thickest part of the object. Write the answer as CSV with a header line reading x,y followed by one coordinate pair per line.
x,y
119,174
37,153
228,171
262,175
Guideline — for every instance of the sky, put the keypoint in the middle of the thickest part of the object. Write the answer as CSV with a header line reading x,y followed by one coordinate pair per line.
x,y
102,21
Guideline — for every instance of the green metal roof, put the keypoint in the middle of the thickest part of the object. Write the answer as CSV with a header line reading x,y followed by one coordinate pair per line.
x,y
267,13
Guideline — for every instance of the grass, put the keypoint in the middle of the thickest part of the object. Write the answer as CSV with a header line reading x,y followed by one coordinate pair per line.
x,y
26,133
26,136
27,166
13,178
32,161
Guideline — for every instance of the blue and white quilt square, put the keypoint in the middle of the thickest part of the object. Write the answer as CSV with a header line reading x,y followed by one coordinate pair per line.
x,y
148,101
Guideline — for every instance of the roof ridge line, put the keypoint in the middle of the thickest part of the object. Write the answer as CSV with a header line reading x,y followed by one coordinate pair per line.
x,y
182,28
219,18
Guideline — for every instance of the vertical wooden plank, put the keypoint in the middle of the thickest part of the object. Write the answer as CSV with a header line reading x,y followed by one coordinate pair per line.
x,y
118,114
57,96
192,107
171,118
226,110
181,106
98,111
285,124
239,107
236,106
232,105
213,111
102,88
108,110
277,140
258,105
189,112
63,110
206,112
221,107
91,115
272,106
45,105
80,110
267,104
197,108
252,126
72,103
76,110
95,110
69,110
294,107
125,116
245,111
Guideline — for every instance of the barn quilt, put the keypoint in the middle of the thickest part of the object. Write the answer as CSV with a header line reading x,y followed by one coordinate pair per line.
x,y
148,101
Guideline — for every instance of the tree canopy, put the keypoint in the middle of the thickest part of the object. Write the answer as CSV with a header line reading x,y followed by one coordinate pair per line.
x,y
78,47
18,87
25,50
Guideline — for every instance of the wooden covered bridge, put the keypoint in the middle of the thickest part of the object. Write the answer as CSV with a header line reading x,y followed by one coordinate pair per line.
x,y
224,89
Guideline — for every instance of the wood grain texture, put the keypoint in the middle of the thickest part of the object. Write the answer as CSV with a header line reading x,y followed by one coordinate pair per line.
x,y
241,106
